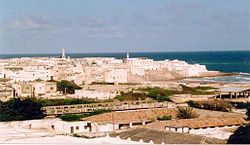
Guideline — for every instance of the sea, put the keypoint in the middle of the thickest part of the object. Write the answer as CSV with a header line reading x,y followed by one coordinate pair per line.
x,y
223,61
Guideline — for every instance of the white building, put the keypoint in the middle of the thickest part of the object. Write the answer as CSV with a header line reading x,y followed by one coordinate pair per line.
x,y
56,126
116,75
94,94
29,75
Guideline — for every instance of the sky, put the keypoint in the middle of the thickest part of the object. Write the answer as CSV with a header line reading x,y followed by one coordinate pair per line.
x,y
81,26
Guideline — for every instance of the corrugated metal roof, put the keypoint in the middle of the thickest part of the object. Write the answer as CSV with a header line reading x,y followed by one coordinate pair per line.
x,y
158,137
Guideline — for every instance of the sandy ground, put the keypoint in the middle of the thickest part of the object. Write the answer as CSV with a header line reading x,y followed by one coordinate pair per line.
x,y
18,135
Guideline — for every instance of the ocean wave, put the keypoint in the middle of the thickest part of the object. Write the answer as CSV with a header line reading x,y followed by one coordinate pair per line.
x,y
242,73
246,79
231,79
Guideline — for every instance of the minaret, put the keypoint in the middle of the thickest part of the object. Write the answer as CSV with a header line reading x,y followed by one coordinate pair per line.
x,y
63,53
127,55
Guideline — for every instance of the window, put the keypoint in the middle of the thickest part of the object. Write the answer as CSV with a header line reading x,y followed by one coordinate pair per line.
x,y
77,127
52,126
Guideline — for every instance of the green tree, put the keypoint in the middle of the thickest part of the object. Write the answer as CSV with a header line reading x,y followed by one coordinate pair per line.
x,y
67,87
18,109
186,113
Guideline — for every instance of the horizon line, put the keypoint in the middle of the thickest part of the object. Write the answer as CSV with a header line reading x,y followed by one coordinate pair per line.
x,y
113,52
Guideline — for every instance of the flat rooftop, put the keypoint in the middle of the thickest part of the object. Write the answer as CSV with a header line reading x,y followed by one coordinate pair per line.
x,y
233,89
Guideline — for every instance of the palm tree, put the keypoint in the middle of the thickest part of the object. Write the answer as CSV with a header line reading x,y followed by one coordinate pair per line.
x,y
186,113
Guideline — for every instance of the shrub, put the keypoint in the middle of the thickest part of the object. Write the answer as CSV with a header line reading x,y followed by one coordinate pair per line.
x,y
161,98
153,94
158,94
165,117
119,97
216,105
194,104
186,113
240,105
71,117
131,96
100,111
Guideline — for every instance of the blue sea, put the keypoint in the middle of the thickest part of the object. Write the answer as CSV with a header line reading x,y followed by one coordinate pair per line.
x,y
224,61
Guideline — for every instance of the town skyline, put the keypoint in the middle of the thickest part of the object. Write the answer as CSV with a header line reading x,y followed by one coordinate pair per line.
x,y
127,26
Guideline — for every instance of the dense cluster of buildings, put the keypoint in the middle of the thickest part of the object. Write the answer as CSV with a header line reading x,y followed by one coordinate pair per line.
x,y
29,76
94,69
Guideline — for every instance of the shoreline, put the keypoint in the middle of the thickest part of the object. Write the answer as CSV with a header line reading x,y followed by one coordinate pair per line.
x,y
209,74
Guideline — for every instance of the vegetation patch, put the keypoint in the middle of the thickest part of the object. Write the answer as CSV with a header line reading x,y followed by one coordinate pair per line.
x,y
68,101
204,88
186,113
165,117
21,109
101,83
240,105
71,117
216,105
131,96
77,117
157,93
194,91
161,94
67,87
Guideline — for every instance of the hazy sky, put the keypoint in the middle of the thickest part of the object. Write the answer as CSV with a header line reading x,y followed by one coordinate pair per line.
x,y
46,26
